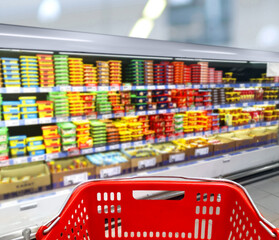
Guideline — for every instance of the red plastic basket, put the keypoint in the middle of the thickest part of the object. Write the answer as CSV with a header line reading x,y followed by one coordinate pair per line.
x,y
210,209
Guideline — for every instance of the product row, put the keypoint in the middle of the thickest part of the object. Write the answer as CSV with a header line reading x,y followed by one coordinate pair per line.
x,y
76,135
62,104
61,70
64,172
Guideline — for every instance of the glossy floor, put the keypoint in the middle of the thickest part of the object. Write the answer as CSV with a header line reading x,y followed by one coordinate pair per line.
x,y
265,194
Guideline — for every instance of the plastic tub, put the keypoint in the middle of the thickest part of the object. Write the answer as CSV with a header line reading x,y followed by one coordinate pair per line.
x,y
26,108
27,100
50,130
36,150
53,148
18,151
52,140
30,115
34,141
11,116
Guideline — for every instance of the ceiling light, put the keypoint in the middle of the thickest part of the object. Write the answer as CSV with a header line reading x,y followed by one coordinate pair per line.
x,y
154,8
49,11
142,28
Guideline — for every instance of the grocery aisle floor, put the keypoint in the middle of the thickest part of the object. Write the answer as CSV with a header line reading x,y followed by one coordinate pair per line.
x,y
265,194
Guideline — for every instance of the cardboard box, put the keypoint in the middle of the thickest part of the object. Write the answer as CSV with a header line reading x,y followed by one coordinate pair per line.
x,y
138,164
261,139
272,137
199,152
242,143
170,156
35,184
113,170
75,176
225,147
173,157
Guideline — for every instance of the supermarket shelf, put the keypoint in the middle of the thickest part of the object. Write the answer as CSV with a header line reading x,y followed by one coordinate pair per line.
x,y
221,165
12,90
35,121
48,157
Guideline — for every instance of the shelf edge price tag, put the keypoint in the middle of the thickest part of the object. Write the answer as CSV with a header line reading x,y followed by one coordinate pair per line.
x,y
172,138
11,123
207,133
92,117
174,110
62,119
103,88
244,104
65,88
130,113
151,112
151,87
52,156
45,89
13,90
149,141
141,113
38,158
171,86
91,89
242,85
114,88
20,160
184,109
86,151
162,111
100,149
44,120
114,147
77,89
160,140
190,135
126,145
268,123
4,163
106,116
30,121
77,118
127,88
161,87
198,134
30,90
118,115
138,143
139,87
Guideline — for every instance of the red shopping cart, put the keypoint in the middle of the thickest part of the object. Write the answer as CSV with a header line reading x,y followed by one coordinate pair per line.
x,y
208,209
